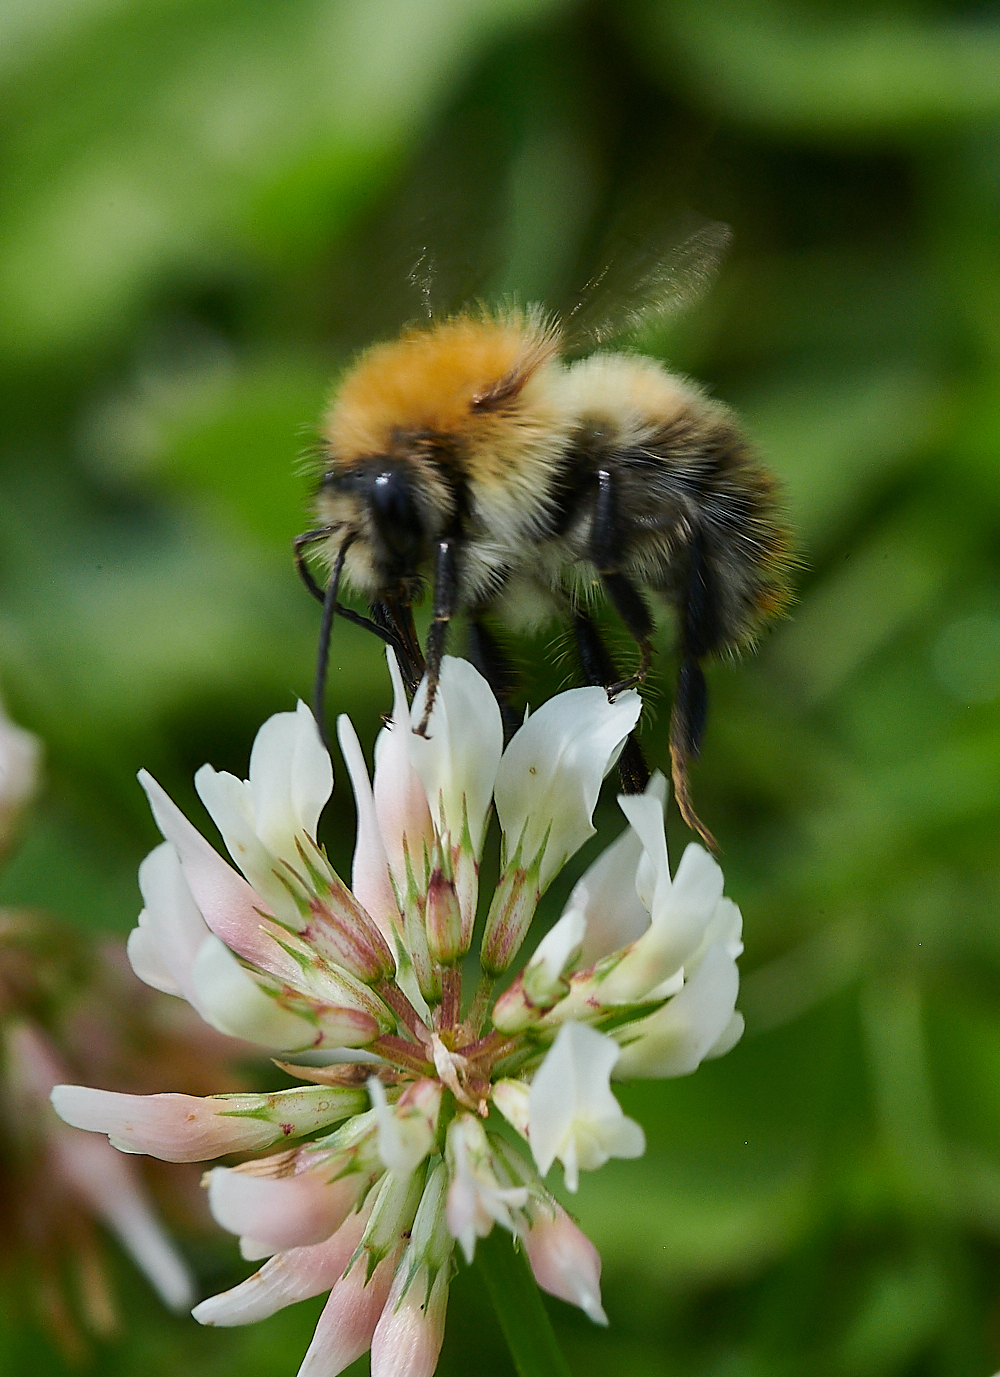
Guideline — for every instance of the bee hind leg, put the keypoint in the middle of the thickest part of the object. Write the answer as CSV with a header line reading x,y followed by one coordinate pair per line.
x,y
687,725
701,633
599,669
489,658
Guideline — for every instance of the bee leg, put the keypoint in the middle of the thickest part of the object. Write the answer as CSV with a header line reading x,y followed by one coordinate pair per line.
x,y
699,636
401,613
606,542
445,596
488,657
630,605
323,653
300,544
409,657
599,669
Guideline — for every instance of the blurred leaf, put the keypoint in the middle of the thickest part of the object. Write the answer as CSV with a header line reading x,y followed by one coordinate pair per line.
x,y
806,69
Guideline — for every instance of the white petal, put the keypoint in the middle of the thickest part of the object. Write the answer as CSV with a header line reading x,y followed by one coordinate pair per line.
x,y
697,887
550,774
555,953
370,876
20,761
145,959
459,757
232,1001
646,820
171,917
405,1136
683,913
728,1039
678,1037
291,778
606,895
291,1276
646,876
288,1212
512,1099
573,1114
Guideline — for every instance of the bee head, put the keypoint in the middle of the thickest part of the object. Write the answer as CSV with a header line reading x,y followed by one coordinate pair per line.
x,y
381,502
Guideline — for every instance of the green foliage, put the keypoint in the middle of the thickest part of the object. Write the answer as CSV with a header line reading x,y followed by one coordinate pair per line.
x,y
206,208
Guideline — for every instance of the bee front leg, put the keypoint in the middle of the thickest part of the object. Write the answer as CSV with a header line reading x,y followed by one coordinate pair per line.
x,y
445,597
300,545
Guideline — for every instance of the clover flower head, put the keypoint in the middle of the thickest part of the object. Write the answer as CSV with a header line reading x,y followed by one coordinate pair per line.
x,y
393,1151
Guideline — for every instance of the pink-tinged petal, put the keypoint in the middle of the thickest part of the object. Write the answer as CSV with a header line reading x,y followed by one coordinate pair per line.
x,y
290,1276
408,1337
227,903
230,807
370,875
33,1065
564,1261
184,1128
291,779
283,1212
400,802
348,1320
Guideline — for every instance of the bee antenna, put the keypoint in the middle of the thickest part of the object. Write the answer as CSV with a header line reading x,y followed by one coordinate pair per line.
x,y
325,630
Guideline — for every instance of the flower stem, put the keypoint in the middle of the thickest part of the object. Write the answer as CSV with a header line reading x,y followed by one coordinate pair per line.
x,y
519,1307
480,1003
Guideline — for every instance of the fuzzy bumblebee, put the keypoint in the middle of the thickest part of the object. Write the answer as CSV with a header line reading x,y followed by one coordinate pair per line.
x,y
471,454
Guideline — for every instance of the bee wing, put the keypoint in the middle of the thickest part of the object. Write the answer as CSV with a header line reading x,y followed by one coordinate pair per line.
x,y
641,281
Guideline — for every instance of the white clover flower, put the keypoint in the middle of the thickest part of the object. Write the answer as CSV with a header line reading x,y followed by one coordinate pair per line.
x,y
572,1113
476,1200
389,1157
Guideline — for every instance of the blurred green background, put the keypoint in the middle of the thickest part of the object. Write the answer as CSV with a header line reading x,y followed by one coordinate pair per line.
x,y
206,208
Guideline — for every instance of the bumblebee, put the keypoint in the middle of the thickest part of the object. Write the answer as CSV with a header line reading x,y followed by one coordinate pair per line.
x,y
473,454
